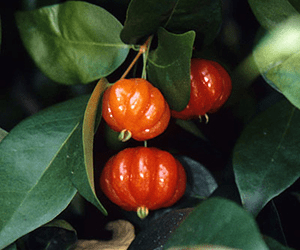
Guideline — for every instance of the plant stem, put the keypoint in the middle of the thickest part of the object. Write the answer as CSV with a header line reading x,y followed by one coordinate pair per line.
x,y
142,50
145,58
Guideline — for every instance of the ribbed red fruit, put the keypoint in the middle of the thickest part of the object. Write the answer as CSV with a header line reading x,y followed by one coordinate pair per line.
x,y
141,179
210,88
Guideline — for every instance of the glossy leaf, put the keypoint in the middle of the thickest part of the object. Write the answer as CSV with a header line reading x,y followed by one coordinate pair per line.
x,y
177,16
202,16
266,158
277,57
144,17
270,13
285,77
73,42
169,67
82,173
35,159
219,222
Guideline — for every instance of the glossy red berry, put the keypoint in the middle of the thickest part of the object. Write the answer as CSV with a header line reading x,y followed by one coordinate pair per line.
x,y
137,107
210,88
141,179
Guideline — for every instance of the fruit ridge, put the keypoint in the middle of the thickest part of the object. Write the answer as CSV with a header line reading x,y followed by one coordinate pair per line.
x,y
143,179
136,106
210,88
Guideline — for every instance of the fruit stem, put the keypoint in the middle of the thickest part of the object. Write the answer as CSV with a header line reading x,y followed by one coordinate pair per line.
x,y
142,50
145,144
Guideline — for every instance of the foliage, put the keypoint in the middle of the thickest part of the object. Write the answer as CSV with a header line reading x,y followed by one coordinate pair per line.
x,y
51,155
63,42
277,54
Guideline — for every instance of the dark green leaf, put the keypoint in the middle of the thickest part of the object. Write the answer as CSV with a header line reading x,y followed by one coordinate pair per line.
x,y
169,67
73,42
278,59
285,77
220,222
270,13
3,133
35,160
144,17
178,16
202,16
266,157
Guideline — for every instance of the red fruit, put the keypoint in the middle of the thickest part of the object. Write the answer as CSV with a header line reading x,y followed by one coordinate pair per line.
x,y
137,107
141,179
210,88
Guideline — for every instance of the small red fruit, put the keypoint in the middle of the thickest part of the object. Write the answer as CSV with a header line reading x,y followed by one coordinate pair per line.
x,y
210,88
141,179
135,106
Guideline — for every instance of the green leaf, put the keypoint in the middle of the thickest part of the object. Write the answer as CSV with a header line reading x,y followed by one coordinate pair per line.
x,y
3,133
73,42
82,170
35,160
266,158
285,77
220,222
169,67
202,16
278,59
177,16
144,17
270,13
